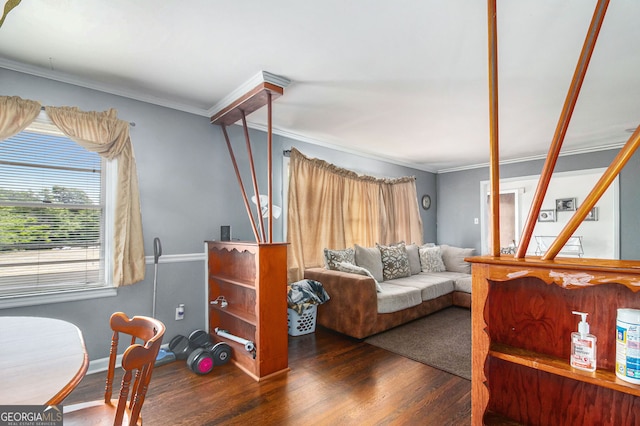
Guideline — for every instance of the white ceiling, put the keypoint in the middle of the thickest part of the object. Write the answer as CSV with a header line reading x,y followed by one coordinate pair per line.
x,y
402,80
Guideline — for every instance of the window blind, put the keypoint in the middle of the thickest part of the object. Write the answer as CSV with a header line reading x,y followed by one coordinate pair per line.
x,y
51,213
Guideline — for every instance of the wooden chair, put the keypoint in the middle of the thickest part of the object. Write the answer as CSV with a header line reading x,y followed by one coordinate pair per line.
x,y
146,337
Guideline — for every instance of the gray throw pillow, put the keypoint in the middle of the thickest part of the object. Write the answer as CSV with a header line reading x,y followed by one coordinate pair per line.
x,y
431,259
332,257
453,258
414,259
353,269
370,259
395,261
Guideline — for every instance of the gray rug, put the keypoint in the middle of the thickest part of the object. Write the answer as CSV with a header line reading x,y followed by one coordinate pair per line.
x,y
441,340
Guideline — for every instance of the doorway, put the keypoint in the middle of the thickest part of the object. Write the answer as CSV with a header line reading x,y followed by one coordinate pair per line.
x,y
510,206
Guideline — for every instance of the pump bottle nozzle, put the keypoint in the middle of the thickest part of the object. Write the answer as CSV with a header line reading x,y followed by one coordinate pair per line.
x,y
583,325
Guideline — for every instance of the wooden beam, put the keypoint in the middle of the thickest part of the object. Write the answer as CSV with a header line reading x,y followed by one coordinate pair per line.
x,y
242,190
247,103
233,109
270,164
601,186
563,124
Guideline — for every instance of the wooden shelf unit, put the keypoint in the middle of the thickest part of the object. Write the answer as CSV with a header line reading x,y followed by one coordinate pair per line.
x,y
522,307
253,279
522,321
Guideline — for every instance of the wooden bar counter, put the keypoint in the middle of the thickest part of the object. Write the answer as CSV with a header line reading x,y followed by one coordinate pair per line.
x,y
522,323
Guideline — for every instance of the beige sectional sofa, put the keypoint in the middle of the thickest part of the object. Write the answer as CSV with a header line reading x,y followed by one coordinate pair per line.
x,y
369,296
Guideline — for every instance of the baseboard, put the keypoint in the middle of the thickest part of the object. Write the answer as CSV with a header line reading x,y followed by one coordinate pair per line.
x,y
102,364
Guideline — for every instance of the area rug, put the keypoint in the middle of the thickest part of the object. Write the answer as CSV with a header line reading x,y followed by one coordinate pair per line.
x,y
441,340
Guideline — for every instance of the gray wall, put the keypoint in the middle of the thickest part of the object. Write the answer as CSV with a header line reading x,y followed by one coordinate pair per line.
x,y
459,198
188,189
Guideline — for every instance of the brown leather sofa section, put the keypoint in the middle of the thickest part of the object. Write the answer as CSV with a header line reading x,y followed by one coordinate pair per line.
x,y
353,307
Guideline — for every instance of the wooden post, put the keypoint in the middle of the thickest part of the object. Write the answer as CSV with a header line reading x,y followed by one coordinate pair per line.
x,y
242,190
254,179
270,166
563,124
494,155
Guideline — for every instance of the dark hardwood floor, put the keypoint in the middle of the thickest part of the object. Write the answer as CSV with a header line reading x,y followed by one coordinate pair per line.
x,y
332,380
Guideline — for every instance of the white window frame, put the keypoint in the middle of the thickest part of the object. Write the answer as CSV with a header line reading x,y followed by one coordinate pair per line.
x,y
109,188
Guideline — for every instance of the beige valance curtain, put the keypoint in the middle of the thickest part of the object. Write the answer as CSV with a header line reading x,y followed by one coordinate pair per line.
x,y
16,114
331,207
104,133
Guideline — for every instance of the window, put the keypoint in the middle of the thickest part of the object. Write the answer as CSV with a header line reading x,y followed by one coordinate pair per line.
x,y
53,194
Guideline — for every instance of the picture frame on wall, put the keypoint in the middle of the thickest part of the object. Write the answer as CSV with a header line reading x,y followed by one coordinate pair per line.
x,y
566,204
547,216
593,215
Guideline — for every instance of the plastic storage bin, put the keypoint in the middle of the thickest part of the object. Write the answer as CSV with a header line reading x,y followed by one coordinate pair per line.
x,y
304,323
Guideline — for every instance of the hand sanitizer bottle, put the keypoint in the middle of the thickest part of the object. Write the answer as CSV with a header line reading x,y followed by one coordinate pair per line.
x,y
583,346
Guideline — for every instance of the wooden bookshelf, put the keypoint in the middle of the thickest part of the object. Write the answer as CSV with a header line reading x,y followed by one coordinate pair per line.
x,y
252,277
522,322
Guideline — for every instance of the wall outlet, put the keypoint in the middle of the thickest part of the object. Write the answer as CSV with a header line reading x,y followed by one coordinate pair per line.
x,y
180,312
475,221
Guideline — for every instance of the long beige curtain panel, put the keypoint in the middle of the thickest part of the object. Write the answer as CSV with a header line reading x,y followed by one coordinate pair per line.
x,y
104,133
331,207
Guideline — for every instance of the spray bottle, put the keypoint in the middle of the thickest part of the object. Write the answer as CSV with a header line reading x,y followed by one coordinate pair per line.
x,y
583,346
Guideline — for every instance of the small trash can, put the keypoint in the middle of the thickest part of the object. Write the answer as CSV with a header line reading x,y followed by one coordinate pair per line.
x,y
303,298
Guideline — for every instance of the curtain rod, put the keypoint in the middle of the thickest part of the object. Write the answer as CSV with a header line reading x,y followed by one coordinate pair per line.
x,y
131,123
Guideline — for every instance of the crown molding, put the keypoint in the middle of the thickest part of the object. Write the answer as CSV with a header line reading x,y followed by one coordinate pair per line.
x,y
106,88
312,141
258,79
577,151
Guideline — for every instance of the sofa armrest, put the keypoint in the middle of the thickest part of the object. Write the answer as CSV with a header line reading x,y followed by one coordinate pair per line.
x,y
353,306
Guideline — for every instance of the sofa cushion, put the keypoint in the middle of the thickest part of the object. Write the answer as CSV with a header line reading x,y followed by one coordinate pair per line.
x,y
370,259
395,261
413,253
453,258
430,285
461,281
354,269
463,284
431,259
332,257
395,298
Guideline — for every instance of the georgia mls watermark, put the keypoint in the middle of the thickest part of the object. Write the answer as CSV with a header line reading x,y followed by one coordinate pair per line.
x,y
30,415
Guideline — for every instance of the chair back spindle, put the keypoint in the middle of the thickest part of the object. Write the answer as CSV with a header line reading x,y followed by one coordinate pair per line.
x,y
137,362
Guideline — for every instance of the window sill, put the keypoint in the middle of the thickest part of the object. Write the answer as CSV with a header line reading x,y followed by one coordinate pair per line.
x,y
67,296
